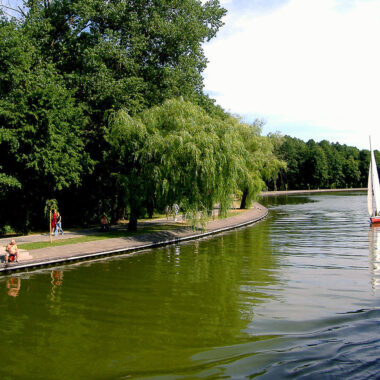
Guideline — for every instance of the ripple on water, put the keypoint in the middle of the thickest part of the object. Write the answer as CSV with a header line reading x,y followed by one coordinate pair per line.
x,y
295,296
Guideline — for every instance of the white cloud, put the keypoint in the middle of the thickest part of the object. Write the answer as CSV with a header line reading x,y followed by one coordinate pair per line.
x,y
307,64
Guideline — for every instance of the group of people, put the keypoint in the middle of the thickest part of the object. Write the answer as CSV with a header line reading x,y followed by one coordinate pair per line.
x,y
174,209
56,223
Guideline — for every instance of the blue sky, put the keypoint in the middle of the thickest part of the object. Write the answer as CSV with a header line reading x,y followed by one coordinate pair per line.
x,y
309,68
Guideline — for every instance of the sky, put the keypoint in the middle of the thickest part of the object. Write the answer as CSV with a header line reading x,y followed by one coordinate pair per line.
x,y
308,68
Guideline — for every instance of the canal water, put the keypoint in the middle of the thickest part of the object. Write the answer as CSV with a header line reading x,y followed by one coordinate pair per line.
x,y
294,296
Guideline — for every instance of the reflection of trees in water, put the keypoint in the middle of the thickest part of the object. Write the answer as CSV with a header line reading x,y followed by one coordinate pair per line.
x,y
198,295
281,200
155,310
374,254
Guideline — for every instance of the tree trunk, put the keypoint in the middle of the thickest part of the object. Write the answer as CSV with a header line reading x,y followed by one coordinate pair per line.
x,y
243,202
114,210
132,225
150,208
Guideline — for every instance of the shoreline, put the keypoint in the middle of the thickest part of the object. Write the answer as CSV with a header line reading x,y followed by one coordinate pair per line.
x,y
66,254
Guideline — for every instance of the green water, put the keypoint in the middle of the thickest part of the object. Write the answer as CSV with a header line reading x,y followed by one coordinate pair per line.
x,y
295,295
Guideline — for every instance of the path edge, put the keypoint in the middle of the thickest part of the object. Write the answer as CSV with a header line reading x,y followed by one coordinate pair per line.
x,y
35,265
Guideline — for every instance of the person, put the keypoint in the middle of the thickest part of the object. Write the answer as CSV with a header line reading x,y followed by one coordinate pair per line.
x,y
54,221
58,225
175,211
104,226
167,211
11,252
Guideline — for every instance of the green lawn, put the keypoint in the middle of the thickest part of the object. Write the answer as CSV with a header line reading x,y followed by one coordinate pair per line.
x,y
113,234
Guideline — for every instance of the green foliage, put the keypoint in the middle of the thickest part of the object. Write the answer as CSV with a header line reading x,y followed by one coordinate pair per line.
x,y
321,165
50,204
7,230
176,153
88,116
40,123
260,162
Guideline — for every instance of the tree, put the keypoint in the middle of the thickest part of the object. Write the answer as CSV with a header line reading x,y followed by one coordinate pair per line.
x,y
259,161
40,125
293,152
315,167
175,153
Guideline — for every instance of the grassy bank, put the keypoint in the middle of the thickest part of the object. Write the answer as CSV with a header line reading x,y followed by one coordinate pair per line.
x,y
100,236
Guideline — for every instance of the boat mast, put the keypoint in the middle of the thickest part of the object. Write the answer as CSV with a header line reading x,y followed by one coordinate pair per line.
x,y
375,182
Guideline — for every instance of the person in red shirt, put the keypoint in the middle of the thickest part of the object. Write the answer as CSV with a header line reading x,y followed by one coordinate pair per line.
x,y
54,221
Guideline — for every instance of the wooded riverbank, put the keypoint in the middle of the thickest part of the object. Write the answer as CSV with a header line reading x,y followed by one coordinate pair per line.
x,y
130,245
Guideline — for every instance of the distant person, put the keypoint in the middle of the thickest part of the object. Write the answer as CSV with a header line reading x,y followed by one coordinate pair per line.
x,y
54,221
11,252
58,225
167,211
104,225
175,211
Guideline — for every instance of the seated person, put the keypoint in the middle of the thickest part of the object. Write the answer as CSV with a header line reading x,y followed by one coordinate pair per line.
x,y
11,253
104,223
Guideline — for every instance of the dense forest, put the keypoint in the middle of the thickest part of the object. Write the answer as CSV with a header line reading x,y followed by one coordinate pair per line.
x,y
102,108
322,165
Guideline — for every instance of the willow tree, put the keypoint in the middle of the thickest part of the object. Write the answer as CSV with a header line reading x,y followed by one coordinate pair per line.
x,y
260,162
175,152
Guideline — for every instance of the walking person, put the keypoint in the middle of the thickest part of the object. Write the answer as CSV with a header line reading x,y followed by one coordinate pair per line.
x,y
167,211
54,221
58,225
104,225
175,211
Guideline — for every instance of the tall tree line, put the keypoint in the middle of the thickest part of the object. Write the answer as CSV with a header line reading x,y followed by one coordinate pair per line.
x,y
322,165
102,108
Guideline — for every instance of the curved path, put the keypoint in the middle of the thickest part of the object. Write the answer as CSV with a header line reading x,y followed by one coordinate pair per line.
x,y
101,248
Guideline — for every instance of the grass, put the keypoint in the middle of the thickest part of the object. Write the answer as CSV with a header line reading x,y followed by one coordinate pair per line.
x,y
99,236
115,233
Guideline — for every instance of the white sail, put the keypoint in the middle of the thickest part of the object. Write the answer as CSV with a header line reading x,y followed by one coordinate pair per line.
x,y
375,184
370,191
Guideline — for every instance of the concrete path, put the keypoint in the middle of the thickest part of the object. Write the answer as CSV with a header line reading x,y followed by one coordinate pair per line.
x,y
99,248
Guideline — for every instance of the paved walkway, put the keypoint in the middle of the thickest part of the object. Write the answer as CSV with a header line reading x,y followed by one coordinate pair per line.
x,y
93,249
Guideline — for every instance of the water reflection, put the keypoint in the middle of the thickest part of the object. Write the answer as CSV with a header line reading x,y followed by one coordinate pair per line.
x,y
56,291
374,252
289,297
56,277
13,285
161,307
286,200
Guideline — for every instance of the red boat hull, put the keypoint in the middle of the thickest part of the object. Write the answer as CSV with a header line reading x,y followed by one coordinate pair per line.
x,y
375,219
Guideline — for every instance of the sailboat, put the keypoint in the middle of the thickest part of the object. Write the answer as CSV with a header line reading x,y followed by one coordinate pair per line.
x,y
373,195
